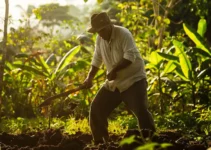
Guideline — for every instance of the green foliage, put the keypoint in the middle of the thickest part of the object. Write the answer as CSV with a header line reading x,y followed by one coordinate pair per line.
x,y
203,120
100,1
127,121
46,78
183,60
21,125
158,77
146,146
71,125
116,127
128,140
42,63
62,65
196,38
154,146
53,14
202,27
200,7
186,66
178,121
136,18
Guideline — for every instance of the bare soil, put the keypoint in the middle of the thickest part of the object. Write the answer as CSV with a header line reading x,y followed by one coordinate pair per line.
x,y
57,140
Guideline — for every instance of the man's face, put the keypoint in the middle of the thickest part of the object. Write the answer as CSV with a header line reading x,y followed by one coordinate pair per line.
x,y
105,33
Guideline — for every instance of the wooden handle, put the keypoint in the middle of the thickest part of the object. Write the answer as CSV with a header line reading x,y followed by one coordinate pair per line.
x,y
50,99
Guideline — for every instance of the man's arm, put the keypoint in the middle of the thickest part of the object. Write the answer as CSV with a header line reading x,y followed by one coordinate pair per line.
x,y
92,72
121,65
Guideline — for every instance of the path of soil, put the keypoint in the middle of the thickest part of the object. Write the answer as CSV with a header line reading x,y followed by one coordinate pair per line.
x,y
56,140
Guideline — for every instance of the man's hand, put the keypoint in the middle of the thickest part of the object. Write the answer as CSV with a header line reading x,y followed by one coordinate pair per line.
x,y
121,65
87,83
112,75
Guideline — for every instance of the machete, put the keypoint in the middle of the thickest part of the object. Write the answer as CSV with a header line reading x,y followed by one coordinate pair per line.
x,y
50,99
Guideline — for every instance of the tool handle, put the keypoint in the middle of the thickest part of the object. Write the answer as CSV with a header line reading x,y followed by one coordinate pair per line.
x,y
50,99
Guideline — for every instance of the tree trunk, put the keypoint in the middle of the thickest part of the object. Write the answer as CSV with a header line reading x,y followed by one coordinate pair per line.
x,y
162,29
156,8
4,51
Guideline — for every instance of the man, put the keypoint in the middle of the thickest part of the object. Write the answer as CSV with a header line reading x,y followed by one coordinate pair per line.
x,y
126,77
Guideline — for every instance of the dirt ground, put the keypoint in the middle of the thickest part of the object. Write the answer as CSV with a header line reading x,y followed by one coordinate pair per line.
x,y
56,140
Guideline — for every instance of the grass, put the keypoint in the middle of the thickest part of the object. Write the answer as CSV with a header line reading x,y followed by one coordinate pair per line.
x,y
69,125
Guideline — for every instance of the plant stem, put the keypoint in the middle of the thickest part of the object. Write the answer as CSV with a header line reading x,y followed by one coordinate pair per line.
x,y
2,63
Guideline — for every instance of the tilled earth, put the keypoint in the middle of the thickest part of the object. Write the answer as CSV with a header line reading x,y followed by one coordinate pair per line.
x,y
56,140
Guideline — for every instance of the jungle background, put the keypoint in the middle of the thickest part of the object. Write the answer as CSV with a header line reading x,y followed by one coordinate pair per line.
x,y
50,52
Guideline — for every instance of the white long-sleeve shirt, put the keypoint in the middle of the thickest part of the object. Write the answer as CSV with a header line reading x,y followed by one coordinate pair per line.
x,y
121,45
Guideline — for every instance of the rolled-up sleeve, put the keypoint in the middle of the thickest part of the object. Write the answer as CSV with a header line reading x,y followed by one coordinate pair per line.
x,y
97,58
129,47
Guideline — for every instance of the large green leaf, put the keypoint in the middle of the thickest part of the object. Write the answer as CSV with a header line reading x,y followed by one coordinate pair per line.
x,y
196,38
51,59
128,140
30,69
151,66
168,56
80,64
201,52
202,27
67,68
67,58
148,146
183,59
204,73
44,65
8,66
169,67
180,74
154,58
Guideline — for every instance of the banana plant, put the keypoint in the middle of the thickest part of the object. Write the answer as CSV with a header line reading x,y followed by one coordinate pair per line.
x,y
203,53
201,49
189,68
40,76
158,77
15,94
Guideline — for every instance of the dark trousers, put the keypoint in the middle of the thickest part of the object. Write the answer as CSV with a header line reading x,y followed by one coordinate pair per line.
x,y
106,101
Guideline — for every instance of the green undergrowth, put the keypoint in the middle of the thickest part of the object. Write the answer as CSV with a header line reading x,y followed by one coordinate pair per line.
x,y
69,125
197,121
